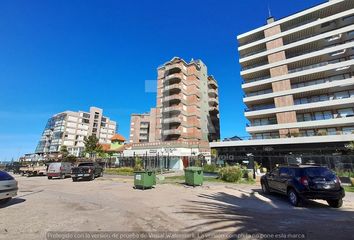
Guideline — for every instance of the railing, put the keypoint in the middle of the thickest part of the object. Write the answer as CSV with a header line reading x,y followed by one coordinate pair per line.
x,y
328,98
319,81
172,120
251,94
169,87
172,131
175,75
257,79
173,108
297,135
172,97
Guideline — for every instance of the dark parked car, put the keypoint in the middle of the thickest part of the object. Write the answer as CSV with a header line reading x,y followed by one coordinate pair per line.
x,y
86,170
304,182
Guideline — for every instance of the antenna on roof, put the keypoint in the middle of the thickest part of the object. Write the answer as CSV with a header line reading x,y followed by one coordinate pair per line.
x,y
269,12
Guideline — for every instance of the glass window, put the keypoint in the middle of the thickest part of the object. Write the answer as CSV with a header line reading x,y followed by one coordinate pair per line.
x,y
331,131
319,116
307,117
340,95
327,115
348,130
310,132
346,111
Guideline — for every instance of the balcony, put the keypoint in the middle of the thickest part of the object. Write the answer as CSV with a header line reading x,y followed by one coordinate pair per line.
x,y
172,87
174,78
298,45
212,92
171,120
175,68
326,123
172,97
323,105
212,82
213,102
171,109
214,109
171,132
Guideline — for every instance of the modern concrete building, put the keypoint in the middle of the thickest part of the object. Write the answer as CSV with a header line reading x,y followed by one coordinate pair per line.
x,y
69,129
298,79
186,117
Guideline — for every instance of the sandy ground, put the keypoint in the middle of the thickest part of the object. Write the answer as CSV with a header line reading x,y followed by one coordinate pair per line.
x,y
111,204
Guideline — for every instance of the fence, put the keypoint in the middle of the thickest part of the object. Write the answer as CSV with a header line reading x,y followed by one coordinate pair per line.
x,y
153,162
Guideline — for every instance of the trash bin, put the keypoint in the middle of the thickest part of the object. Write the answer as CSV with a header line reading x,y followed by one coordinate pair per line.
x,y
144,179
194,176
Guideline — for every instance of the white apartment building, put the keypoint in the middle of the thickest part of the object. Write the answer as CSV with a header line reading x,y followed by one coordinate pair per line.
x,y
298,79
70,128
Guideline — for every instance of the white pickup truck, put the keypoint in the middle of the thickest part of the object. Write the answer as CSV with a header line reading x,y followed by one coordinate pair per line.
x,y
37,170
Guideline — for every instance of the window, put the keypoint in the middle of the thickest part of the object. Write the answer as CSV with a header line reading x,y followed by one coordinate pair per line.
x,y
345,112
327,115
341,95
319,116
331,131
348,130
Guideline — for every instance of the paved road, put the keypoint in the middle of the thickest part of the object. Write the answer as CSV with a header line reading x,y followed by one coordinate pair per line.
x,y
111,204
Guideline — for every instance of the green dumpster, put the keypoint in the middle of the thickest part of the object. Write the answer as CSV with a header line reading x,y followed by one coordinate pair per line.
x,y
194,176
144,179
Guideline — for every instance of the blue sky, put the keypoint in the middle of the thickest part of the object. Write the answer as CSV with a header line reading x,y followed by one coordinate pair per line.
x,y
73,54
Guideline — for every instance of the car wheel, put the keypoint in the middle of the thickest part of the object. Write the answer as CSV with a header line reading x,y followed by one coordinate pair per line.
x,y
93,177
49,178
5,200
74,179
293,198
62,176
335,203
265,188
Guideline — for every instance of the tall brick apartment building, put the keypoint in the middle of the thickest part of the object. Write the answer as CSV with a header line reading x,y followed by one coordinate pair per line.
x,y
186,116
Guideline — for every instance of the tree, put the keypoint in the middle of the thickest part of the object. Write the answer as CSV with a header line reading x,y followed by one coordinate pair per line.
x,y
92,147
350,146
64,151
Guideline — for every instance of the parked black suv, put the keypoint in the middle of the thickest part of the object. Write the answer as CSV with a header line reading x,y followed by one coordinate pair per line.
x,y
304,182
86,170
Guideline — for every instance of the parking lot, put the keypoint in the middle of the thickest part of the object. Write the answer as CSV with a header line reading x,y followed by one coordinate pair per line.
x,y
111,204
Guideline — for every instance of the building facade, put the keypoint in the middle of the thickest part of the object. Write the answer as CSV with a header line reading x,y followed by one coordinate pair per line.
x,y
298,79
70,128
186,117
143,127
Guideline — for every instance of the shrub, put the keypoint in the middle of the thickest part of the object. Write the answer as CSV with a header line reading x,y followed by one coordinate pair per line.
x,y
231,173
210,168
138,164
120,171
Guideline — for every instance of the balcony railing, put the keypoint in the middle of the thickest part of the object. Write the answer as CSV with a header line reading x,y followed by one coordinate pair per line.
x,y
172,97
213,109
172,108
171,132
172,86
172,120
297,135
320,81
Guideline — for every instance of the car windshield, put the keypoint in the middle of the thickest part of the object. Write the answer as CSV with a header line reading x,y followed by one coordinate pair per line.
x,y
85,164
4,176
319,172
